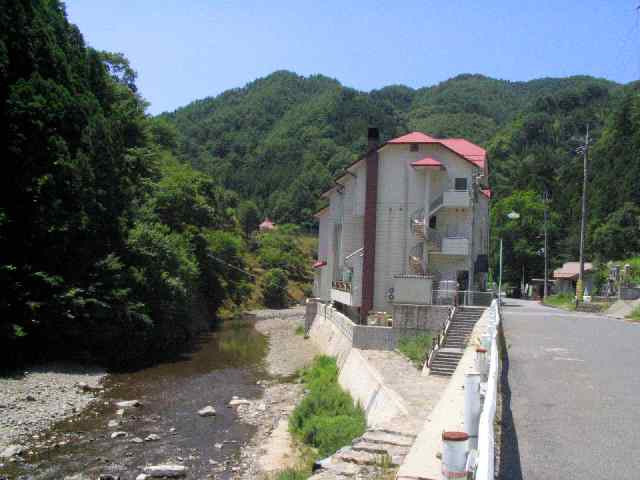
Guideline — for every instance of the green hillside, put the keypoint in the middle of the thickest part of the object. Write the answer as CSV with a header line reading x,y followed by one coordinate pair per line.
x,y
281,139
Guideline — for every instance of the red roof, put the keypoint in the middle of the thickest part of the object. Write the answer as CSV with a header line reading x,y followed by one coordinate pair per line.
x,y
486,192
319,264
413,137
464,148
267,225
467,150
427,162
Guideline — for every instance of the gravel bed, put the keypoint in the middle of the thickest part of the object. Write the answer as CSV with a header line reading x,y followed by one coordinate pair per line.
x,y
34,399
271,448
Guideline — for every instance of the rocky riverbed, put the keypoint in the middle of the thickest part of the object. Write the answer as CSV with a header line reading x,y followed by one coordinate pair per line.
x,y
271,448
34,399
245,378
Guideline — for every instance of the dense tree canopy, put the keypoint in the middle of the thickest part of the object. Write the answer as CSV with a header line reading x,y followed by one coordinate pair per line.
x,y
121,235
110,248
282,139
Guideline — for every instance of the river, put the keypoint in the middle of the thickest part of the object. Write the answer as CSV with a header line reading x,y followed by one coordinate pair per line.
x,y
226,362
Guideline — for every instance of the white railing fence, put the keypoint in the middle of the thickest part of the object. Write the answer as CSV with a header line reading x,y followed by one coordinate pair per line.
x,y
479,414
486,441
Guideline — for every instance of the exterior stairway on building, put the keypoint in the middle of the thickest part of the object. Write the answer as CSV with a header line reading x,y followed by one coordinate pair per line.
x,y
447,358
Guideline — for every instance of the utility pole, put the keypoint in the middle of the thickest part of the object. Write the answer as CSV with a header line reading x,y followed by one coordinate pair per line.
x,y
500,277
584,149
546,246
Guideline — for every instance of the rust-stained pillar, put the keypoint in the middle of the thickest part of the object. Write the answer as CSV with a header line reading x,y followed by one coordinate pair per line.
x,y
370,210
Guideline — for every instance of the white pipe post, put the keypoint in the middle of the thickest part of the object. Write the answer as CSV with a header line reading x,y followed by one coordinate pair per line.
x,y
454,455
482,362
472,407
500,277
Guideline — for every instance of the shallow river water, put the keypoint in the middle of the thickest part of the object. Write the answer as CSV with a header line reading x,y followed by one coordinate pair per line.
x,y
224,363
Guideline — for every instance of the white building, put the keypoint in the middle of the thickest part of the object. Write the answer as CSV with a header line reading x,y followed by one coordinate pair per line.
x,y
415,229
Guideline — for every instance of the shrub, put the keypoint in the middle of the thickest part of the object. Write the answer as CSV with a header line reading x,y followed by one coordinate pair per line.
x,y
635,314
327,417
561,300
329,433
415,348
291,474
274,288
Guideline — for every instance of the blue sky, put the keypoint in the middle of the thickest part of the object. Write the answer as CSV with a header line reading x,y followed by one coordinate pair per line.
x,y
190,49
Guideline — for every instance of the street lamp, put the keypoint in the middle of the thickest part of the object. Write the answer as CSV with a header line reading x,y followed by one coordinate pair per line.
x,y
512,215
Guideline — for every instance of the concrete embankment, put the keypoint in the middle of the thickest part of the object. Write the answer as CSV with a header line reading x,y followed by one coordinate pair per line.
x,y
330,332
395,395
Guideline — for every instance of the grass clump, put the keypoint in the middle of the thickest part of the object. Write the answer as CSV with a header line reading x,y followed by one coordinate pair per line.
x,y
415,348
299,330
327,417
562,300
635,314
291,474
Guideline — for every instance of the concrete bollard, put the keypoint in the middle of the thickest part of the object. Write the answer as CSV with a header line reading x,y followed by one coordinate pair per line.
x,y
481,361
454,455
472,407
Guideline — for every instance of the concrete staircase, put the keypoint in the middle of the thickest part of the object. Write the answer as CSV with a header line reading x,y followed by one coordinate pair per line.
x,y
369,456
447,358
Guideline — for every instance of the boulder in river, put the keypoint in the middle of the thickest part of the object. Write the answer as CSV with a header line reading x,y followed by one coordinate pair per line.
x,y
113,423
11,451
171,471
129,404
151,437
118,434
207,411
238,401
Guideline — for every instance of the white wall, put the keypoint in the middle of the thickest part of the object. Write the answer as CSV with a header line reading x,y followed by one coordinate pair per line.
x,y
402,190
324,274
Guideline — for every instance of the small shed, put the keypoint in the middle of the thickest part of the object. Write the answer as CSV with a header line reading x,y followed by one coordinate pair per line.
x,y
566,277
267,224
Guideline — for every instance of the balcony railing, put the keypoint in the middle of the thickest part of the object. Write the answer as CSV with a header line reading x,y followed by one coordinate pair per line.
x,y
462,298
450,199
417,223
346,287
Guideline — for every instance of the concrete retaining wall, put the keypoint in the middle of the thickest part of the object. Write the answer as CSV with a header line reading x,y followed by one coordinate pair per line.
x,y
336,335
368,337
629,293
364,383
419,317
332,332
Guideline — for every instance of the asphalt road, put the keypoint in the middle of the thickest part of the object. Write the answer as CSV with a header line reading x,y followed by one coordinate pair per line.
x,y
571,408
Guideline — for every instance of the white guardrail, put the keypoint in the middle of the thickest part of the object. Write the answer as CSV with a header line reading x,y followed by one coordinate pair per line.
x,y
486,437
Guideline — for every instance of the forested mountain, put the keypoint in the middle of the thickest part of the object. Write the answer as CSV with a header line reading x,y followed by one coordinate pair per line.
x,y
107,243
281,139
122,234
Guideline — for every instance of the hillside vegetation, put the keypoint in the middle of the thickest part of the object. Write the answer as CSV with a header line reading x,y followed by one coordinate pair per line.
x,y
280,141
123,235
112,250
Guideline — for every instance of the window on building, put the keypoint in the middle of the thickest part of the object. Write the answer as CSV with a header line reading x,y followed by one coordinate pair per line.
x,y
460,184
433,221
414,147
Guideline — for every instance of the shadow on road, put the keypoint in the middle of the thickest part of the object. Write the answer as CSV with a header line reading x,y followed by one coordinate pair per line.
x,y
509,466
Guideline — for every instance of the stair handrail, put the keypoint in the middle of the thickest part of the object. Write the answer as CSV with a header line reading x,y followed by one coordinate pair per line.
x,y
418,222
438,341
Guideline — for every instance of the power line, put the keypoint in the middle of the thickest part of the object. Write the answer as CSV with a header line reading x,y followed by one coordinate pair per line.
x,y
232,266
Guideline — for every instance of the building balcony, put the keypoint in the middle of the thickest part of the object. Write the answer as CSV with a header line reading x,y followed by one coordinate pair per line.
x,y
344,293
450,199
447,244
347,288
